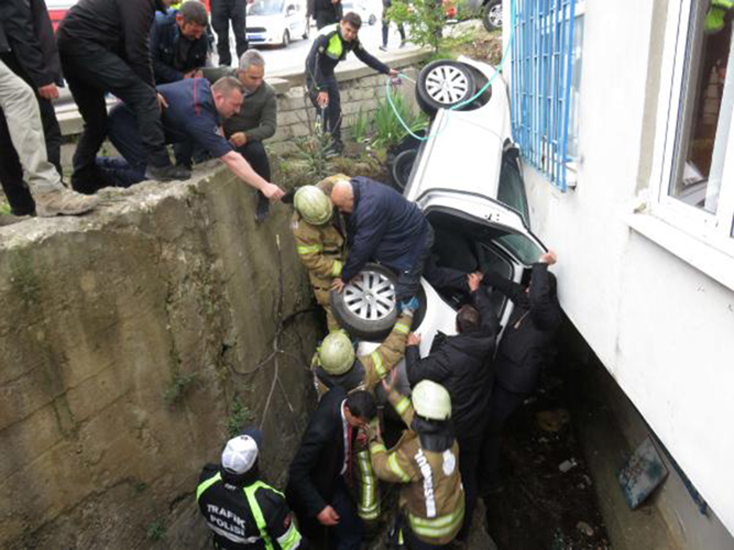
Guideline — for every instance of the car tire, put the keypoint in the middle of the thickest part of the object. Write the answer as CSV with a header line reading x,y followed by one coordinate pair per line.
x,y
443,84
286,38
307,31
372,20
401,168
492,15
344,305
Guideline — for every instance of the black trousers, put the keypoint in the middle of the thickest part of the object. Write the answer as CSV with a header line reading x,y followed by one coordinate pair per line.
x,y
91,72
324,18
11,170
503,404
222,12
386,29
470,449
254,153
331,117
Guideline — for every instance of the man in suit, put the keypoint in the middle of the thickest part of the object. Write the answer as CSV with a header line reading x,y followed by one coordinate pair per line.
x,y
323,468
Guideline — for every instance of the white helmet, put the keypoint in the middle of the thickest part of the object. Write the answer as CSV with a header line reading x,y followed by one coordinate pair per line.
x,y
313,205
240,454
431,400
336,353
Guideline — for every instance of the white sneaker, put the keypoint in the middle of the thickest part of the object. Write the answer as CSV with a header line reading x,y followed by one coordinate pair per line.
x,y
64,202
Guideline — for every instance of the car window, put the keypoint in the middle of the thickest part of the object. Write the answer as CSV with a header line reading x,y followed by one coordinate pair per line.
x,y
521,247
265,7
511,189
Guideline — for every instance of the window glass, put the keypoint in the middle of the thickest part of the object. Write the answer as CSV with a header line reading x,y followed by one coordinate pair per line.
x,y
265,7
706,109
521,247
511,189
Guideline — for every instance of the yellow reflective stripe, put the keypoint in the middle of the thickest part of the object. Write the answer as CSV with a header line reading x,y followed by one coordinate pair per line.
x,y
262,525
402,405
377,360
204,485
437,527
312,249
335,48
337,269
392,463
402,329
377,448
291,539
369,505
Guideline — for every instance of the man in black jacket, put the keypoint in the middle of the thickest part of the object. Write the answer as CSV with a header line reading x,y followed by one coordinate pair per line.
x,y
525,346
324,12
462,365
35,59
179,46
331,47
224,11
322,469
242,511
104,47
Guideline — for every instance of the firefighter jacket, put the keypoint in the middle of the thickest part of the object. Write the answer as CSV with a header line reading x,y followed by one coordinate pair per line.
x,y
432,497
245,515
368,370
321,249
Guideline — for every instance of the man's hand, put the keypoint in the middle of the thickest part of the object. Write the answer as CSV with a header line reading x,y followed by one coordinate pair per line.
x,y
394,73
337,284
195,73
373,429
238,139
328,517
474,280
323,99
362,436
162,103
272,192
548,258
388,386
49,91
414,339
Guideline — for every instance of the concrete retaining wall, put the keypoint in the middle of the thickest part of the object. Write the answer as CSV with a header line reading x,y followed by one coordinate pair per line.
x,y
126,338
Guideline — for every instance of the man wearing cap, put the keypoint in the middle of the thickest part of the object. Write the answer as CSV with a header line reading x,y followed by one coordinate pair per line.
x,y
320,239
242,511
323,469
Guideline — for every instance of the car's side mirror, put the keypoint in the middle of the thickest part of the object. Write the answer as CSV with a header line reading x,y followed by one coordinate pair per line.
x,y
291,10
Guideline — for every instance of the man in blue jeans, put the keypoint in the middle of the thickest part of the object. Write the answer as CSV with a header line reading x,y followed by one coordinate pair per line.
x,y
191,116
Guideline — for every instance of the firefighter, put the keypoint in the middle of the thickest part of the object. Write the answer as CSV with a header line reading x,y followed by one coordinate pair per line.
x,y
242,511
336,364
426,462
320,239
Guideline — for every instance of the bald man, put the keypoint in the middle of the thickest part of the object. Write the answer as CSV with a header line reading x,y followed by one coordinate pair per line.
x,y
384,227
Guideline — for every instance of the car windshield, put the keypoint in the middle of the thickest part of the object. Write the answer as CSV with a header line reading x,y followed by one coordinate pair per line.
x,y
265,7
520,246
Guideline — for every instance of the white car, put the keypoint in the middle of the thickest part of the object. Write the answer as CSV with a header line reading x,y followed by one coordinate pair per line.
x,y
370,11
467,180
276,22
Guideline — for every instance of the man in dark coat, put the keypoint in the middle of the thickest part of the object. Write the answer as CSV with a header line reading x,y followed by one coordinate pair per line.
x,y
324,12
323,469
35,59
462,365
179,46
525,347
104,47
224,11
385,227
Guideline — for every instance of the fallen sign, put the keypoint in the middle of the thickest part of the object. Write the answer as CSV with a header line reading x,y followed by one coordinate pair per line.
x,y
642,474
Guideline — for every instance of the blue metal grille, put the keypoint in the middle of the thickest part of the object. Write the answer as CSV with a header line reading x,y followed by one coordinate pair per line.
x,y
542,64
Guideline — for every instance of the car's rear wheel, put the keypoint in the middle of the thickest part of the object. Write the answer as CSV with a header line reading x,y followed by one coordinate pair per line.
x,y
306,30
286,38
492,15
366,307
372,20
443,84
401,168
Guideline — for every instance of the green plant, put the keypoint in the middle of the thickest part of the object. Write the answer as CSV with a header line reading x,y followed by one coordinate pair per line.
x,y
156,530
389,131
315,151
238,417
427,20
360,127
180,384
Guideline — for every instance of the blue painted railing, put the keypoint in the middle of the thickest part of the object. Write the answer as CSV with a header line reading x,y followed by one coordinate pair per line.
x,y
542,64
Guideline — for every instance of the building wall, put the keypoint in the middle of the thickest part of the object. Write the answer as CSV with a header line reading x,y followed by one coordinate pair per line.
x,y
661,327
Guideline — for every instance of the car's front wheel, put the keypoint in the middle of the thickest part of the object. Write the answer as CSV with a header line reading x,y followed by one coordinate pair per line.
x,y
443,84
402,167
286,38
492,15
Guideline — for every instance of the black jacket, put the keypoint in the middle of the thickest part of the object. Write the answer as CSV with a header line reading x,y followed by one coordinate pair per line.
x,y
224,505
4,46
316,469
328,50
30,36
120,26
165,41
313,6
527,341
462,364
384,227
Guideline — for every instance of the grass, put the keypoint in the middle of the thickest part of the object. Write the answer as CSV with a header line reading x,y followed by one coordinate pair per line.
x,y
156,531
389,132
239,416
178,387
361,127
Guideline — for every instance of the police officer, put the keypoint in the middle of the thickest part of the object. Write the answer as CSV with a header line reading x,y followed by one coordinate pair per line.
x,y
242,511
425,461
330,47
320,239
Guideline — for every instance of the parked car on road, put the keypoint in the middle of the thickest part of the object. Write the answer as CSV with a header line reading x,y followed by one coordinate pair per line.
x,y
468,181
369,10
276,22
489,10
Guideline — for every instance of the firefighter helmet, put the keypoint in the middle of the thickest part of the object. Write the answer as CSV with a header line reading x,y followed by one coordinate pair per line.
x,y
336,354
431,400
313,205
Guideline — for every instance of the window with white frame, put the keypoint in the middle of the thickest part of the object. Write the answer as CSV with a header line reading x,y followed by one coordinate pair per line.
x,y
697,187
